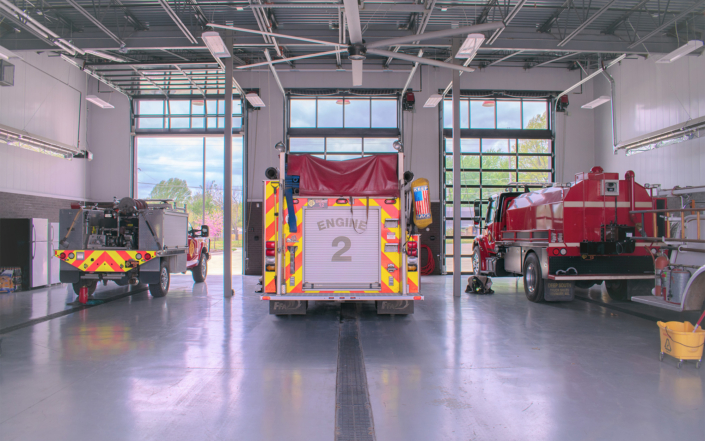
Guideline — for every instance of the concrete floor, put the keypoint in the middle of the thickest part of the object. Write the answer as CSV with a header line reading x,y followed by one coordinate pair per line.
x,y
196,366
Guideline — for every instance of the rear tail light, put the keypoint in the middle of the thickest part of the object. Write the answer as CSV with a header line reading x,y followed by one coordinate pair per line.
x,y
271,253
412,267
71,255
62,256
412,253
147,256
266,298
412,245
138,256
417,297
270,245
269,267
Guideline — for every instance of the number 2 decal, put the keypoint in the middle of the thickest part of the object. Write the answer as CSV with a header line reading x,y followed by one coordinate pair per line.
x,y
338,256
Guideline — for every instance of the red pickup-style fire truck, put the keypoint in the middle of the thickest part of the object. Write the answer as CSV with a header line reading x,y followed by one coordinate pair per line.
x,y
573,235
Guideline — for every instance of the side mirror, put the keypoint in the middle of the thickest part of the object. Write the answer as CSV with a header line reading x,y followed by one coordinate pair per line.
x,y
204,230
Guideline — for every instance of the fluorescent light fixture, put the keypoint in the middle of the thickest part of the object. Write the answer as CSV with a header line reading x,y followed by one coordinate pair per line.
x,y
433,100
255,100
215,44
681,51
99,102
27,141
6,54
107,56
674,134
594,103
470,46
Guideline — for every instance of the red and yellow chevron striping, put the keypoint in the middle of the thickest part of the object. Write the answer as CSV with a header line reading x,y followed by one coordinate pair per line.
x,y
271,192
102,261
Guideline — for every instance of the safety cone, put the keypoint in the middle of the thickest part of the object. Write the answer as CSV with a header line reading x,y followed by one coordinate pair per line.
x,y
83,295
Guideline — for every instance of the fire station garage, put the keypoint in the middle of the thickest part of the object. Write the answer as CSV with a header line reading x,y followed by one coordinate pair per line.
x,y
352,220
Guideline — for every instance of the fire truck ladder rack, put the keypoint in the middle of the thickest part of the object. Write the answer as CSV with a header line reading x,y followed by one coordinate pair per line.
x,y
667,212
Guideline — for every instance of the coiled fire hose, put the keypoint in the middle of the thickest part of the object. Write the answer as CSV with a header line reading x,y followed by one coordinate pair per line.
x,y
430,266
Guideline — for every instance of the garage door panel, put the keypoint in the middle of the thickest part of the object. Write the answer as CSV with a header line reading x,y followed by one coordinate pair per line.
x,y
341,248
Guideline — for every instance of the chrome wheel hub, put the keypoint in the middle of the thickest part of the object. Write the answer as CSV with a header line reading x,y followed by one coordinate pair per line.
x,y
530,278
164,279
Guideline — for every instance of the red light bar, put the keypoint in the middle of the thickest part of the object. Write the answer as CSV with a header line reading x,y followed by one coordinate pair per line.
x,y
270,245
412,245
271,253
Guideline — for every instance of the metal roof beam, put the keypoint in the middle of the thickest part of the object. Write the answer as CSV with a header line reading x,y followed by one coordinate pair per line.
x,y
421,29
96,22
621,20
668,24
553,60
548,24
504,58
129,16
507,20
413,71
586,23
482,18
180,24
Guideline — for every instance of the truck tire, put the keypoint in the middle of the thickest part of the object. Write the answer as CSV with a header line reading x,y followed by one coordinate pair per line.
x,y
533,279
160,289
91,287
476,265
617,289
200,272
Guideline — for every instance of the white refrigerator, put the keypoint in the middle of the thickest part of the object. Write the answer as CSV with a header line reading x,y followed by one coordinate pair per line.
x,y
53,246
39,248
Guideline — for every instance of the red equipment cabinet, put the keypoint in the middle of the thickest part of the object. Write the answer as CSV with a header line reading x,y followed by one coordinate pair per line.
x,y
576,235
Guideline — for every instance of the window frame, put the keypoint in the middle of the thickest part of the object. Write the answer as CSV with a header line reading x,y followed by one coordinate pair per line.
x,y
168,117
486,134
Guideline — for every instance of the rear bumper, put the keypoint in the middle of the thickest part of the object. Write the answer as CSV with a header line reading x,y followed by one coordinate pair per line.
x,y
337,297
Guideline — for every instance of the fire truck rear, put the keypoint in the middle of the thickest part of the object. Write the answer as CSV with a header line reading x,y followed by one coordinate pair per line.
x,y
128,242
337,231
572,236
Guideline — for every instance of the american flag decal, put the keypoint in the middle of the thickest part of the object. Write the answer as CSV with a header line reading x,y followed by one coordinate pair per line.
x,y
422,201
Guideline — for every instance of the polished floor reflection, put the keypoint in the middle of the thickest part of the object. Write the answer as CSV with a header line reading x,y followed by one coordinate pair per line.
x,y
196,366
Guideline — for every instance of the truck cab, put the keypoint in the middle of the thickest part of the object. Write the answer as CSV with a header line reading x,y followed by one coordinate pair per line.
x,y
485,251
198,252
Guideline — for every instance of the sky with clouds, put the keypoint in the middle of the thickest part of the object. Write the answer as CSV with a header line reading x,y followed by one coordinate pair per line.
x,y
159,159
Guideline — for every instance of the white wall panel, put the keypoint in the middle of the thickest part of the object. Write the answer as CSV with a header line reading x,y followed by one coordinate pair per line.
x,y
650,97
109,141
48,99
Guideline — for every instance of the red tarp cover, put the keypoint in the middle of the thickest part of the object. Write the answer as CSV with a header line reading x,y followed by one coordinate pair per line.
x,y
371,176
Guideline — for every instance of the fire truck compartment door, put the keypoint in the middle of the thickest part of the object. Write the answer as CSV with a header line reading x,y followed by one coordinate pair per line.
x,y
341,248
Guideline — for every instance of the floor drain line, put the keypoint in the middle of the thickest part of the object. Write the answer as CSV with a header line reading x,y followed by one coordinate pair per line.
x,y
353,412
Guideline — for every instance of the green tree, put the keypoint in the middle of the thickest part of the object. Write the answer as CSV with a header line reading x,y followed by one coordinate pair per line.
x,y
173,188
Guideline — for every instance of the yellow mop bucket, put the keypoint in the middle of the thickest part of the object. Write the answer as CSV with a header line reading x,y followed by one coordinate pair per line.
x,y
679,341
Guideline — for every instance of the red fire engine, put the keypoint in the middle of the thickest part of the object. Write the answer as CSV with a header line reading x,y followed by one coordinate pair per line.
x,y
574,235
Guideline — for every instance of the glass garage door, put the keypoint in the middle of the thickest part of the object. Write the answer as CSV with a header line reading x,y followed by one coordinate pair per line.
x,y
489,164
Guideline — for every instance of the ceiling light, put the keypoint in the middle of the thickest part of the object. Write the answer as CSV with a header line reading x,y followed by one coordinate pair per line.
x,y
239,8
594,103
7,54
215,44
99,102
444,9
470,46
681,51
433,100
255,100
106,55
